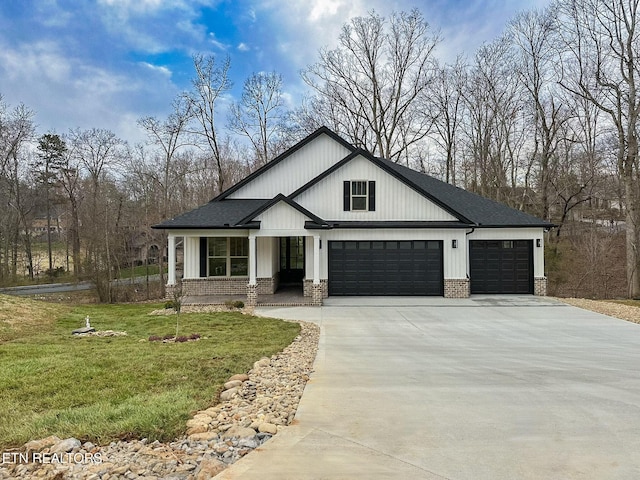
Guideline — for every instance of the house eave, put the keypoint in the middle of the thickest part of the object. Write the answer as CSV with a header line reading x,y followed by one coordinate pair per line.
x,y
246,226
329,225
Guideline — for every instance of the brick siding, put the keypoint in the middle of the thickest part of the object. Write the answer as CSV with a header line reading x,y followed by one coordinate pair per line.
x,y
456,287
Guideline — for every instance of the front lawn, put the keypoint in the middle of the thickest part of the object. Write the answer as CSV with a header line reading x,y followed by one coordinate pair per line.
x,y
101,389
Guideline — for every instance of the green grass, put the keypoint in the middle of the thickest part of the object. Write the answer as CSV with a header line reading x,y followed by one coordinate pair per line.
x,y
139,271
101,389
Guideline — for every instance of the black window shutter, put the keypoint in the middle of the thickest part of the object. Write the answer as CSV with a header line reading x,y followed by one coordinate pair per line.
x,y
347,195
203,256
372,196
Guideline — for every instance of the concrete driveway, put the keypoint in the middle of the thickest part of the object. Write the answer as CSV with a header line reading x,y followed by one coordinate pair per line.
x,y
482,388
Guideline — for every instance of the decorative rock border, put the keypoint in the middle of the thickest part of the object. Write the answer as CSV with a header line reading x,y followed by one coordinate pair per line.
x,y
253,408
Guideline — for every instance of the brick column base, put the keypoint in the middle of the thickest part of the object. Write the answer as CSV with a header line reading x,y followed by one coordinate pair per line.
x,y
540,286
252,295
456,288
316,294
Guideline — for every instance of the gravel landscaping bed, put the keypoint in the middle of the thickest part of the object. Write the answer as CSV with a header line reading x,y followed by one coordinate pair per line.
x,y
617,310
254,407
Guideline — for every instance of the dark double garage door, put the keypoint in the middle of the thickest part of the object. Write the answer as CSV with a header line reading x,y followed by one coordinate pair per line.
x,y
416,267
385,268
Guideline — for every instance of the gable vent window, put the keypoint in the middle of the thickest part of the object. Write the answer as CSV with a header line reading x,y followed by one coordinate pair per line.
x,y
359,196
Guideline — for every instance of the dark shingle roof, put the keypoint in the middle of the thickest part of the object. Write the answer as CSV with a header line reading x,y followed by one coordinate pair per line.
x,y
479,210
469,208
215,214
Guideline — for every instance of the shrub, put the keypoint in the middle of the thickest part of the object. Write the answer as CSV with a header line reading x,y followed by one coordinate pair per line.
x,y
234,304
194,336
155,338
182,338
167,337
169,304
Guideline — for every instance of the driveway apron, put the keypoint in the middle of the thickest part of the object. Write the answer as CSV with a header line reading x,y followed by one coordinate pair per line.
x,y
481,388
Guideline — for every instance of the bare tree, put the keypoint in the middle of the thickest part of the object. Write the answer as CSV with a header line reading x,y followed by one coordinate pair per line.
x,y
99,153
169,136
533,36
602,48
16,130
259,115
445,104
210,83
493,122
373,82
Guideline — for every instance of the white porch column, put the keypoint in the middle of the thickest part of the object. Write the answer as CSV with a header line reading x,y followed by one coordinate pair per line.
x,y
171,260
252,260
316,259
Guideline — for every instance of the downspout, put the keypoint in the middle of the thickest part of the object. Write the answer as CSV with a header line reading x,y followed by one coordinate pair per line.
x,y
468,250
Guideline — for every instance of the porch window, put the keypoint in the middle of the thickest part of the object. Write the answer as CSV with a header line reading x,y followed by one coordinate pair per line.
x,y
228,257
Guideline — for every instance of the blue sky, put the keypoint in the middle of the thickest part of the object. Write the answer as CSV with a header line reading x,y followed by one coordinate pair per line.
x,y
106,63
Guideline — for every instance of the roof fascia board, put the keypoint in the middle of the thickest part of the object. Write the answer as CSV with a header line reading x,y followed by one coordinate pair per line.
x,y
282,156
281,198
376,161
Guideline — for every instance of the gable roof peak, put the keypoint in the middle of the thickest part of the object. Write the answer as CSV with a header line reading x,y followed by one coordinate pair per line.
x,y
308,139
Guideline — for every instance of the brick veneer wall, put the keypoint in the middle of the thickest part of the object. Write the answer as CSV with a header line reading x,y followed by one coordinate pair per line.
x,y
227,286
456,287
307,288
540,286
214,286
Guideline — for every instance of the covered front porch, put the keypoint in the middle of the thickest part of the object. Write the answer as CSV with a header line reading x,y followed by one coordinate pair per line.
x,y
281,268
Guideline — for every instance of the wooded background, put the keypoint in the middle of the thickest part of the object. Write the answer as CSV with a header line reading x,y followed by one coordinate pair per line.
x,y
544,119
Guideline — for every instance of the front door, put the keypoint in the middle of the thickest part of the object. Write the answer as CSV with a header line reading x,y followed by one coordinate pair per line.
x,y
291,259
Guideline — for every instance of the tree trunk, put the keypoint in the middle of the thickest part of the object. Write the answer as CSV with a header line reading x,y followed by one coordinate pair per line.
x,y
632,238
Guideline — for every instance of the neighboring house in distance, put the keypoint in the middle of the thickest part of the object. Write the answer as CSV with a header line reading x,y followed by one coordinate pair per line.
x,y
339,221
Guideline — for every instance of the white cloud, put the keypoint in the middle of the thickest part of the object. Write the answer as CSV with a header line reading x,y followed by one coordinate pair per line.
x,y
217,43
67,93
50,14
243,47
321,9
158,68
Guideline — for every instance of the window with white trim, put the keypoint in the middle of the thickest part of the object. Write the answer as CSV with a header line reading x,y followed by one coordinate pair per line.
x,y
359,195
228,256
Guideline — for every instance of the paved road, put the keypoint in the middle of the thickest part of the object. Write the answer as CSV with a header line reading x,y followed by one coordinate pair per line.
x,y
482,388
46,289
49,288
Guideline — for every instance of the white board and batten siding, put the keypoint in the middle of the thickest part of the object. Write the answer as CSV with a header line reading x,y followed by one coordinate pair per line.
x,y
533,234
394,200
267,256
295,170
282,220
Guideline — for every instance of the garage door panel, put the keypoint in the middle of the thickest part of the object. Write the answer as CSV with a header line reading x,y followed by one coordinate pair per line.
x,y
501,266
385,268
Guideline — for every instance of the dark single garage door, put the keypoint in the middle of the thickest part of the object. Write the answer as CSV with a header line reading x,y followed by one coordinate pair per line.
x,y
385,268
501,266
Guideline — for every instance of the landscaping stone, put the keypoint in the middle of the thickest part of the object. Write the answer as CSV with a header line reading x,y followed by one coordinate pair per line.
x,y
39,445
266,400
66,445
268,428
228,394
232,384
239,432
78,331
